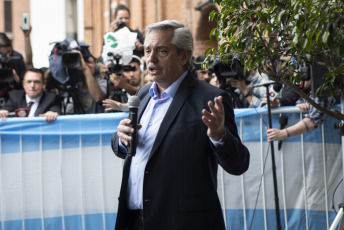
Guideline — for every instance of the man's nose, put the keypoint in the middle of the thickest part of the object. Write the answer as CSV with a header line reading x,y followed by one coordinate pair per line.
x,y
152,57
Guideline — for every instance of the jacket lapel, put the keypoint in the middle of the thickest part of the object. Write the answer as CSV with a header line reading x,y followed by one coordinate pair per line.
x,y
39,109
181,95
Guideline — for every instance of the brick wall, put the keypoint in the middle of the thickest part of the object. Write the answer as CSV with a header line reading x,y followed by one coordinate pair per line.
x,y
145,12
18,8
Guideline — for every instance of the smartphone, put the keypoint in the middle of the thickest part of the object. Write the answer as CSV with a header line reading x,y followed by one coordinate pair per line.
x,y
25,21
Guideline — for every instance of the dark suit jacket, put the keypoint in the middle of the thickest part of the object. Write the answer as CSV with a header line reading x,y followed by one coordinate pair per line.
x,y
180,180
48,102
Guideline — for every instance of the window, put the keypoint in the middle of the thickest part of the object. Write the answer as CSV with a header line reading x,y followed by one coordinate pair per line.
x,y
8,15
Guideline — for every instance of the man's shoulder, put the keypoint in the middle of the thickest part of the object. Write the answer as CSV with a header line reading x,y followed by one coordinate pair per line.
x,y
16,93
17,54
49,94
144,90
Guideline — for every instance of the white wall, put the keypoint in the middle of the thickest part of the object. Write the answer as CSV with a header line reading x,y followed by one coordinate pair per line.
x,y
48,25
81,25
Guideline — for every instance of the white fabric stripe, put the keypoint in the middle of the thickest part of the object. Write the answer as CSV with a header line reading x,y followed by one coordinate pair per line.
x,y
42,191
62,197
22,180
262,177
325,175
242,180
304,177
102,180
82,184
283,189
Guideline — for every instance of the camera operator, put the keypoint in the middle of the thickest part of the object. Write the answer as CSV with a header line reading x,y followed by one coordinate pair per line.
x,y
16,60
91,90
250,96
126,84
122,18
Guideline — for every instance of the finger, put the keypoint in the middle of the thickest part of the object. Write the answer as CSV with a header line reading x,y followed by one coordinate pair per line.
x,y
207,118
219,105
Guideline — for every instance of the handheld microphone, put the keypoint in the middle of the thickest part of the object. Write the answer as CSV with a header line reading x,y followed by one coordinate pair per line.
x,y
283,123
134,102
274,90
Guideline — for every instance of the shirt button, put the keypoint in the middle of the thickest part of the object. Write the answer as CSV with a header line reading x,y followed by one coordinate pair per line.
x,y
146,172
150,123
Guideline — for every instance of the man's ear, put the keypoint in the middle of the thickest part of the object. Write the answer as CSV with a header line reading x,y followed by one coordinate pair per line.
x,y
185,56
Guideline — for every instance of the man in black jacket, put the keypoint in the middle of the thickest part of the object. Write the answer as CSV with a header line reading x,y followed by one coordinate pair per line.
x,y
187,129
33,99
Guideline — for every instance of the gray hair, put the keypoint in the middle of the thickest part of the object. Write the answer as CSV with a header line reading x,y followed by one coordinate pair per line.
x,y
182,37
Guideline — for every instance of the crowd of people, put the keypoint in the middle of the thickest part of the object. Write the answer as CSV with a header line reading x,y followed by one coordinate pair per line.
x,y
188,107
99,90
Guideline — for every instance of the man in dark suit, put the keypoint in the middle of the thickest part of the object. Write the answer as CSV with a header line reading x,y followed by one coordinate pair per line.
x,y
33,99
171,182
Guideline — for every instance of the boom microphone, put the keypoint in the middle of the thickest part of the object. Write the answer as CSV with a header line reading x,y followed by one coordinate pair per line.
x,y
134,102
283,123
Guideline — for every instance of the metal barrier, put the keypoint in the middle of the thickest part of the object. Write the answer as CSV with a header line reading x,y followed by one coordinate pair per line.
x,y
64,175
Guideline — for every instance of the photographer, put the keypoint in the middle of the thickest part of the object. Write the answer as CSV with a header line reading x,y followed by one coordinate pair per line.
x,y
91,90
15,59
241,87
250,96
125,85
122,18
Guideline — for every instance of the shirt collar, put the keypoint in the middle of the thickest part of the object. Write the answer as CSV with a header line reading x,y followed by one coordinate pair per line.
x,y
36,100
170,91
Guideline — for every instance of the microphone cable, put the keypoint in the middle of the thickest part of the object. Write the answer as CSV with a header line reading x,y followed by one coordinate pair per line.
x,y
334,192
260,185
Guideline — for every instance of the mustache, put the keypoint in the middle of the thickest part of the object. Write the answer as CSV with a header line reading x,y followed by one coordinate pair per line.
x,y
152,65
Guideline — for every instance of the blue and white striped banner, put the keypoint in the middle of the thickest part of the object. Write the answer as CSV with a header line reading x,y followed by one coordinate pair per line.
x,y
64,175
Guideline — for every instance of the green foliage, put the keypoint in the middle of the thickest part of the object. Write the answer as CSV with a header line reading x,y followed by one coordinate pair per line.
x,y
262,31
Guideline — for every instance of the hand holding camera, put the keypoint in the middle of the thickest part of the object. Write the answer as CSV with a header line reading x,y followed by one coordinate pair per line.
x,y
116,25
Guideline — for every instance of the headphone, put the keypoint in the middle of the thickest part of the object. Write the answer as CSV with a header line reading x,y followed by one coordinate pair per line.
x,y
142,64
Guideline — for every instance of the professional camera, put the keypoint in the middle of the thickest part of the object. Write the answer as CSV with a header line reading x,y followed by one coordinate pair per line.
x,y
116,67
226,69
64,63
6,67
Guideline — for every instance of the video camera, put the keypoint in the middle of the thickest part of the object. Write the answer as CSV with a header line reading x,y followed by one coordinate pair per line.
x,y
226,69
116,67
6,67
64,63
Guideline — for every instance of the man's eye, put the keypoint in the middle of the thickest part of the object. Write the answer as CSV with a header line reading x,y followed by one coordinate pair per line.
x,y
163,52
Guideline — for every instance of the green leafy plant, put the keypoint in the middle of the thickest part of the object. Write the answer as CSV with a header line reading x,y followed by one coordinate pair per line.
x,y
294,32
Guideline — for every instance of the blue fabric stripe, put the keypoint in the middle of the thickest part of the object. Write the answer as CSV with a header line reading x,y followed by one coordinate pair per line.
x,y
235,220
296,219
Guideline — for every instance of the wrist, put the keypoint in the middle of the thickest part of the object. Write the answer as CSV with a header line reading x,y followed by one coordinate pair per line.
x,y
287,132
248,94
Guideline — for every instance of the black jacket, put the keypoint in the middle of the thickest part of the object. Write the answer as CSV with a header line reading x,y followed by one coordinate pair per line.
x,y
180,180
